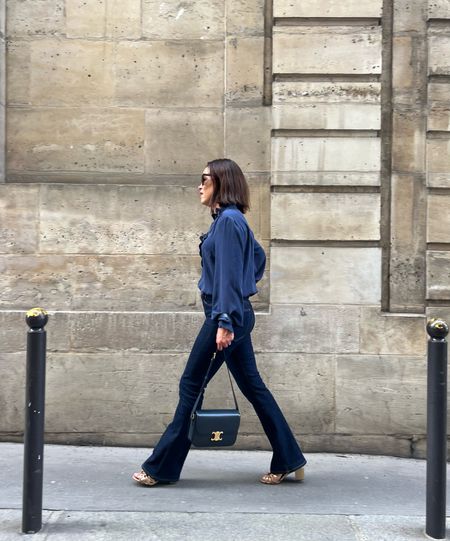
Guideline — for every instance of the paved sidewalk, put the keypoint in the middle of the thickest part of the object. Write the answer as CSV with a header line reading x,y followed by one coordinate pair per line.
x,y
88,495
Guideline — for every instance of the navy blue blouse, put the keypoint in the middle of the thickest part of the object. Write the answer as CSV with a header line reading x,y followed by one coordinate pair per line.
x,y
232,263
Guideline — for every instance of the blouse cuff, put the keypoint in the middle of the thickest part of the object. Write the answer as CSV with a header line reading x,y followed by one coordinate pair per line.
x,y
225,322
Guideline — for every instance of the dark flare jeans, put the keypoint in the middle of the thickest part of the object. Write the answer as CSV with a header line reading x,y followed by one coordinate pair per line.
x,y
166,461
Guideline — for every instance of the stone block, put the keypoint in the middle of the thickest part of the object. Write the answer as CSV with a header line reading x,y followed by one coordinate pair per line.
x,y
65,139
321,216
111,392
320,116
410,16
408,232
2,75
438,9
14,331
407,148
420,447
115,219
438,166
325,178
439,93
391,334
286,329
326,105
31,17
94,19
258,216
327,8
438,162
70,72
138,393
334,154
303,386
396,445
315,92
3,19
312,274
307,329
438,218
264,205
3,38
173,19
123,19
439,51
19,218
245,74
404,75
438,180
380,395
85,18
439,118
439,106
12,385
253,216
251,125
438,275
135,332
83,282
245,17
182,141
169,73
337,49
2,144
18,67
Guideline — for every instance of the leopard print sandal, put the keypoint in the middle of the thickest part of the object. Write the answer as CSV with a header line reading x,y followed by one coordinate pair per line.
x,y
277,478
144,479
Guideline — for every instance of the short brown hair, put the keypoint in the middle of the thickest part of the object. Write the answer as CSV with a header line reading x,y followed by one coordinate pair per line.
x,y
230,185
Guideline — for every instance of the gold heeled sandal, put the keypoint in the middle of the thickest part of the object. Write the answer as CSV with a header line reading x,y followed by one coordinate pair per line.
x,y
277,478
144,479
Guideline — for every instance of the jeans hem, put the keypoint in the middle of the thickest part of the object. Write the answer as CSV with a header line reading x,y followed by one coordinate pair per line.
x,y
290,469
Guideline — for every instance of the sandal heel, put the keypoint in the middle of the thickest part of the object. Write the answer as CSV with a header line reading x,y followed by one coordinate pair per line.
x,y
277,478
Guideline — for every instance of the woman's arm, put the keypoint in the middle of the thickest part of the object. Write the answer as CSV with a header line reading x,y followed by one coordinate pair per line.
x,y
227,294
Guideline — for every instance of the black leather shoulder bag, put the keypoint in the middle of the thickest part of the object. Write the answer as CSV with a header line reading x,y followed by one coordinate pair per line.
x,y
214,428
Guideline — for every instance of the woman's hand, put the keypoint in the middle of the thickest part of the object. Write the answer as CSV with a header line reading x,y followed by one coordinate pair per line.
x,y
223,338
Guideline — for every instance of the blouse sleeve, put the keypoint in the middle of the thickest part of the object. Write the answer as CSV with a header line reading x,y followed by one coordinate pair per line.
x,y
227,296
260,261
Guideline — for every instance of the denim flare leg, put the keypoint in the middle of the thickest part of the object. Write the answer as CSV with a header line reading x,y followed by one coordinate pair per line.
x,y
166,461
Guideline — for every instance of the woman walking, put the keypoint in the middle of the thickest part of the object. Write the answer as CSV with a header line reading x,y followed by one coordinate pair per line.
x,y
232,263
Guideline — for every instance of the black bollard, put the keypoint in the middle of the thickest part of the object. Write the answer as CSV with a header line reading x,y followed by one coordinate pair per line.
x,y
34,422
436,429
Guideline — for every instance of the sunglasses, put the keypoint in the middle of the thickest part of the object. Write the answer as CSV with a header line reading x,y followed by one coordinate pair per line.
x,y
205,178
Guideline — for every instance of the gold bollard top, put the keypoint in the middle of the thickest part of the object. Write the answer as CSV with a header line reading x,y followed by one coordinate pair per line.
x,y
36,318
437,328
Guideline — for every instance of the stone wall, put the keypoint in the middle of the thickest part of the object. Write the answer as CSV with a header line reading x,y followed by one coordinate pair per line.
x,y
339,115
2,88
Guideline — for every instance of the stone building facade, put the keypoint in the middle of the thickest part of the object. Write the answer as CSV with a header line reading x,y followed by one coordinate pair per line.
x,y
339,113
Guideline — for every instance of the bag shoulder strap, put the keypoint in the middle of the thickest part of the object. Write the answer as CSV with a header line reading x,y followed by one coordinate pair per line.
x,y
203,387
232,388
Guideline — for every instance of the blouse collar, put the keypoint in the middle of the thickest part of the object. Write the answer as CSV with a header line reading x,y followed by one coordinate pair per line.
x,y
218,211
